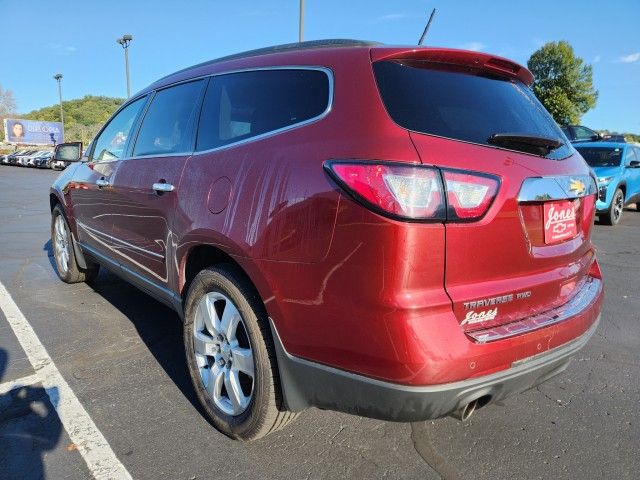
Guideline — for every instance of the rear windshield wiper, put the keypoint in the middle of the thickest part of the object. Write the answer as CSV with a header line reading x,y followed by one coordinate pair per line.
x,y
525,142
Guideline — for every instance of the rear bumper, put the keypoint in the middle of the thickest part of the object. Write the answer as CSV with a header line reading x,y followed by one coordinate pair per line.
x,y
306,384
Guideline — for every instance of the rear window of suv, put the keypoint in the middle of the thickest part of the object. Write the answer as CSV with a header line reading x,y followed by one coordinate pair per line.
x,y
462,103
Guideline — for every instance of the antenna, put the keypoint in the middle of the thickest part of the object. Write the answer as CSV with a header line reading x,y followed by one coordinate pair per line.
x,y
426,29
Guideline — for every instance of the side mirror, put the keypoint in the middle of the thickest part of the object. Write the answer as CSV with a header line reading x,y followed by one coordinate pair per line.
x,y
634,164
68,152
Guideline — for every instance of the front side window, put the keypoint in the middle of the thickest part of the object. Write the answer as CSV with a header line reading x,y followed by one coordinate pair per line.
x,y
629,156
110,144
243,105
583,133
167,127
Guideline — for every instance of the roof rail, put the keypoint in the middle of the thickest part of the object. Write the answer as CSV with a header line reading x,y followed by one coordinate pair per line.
x,y
329,43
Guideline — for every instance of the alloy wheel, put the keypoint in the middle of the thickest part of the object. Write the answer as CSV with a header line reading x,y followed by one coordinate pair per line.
x,y
223,353
618,206
61,245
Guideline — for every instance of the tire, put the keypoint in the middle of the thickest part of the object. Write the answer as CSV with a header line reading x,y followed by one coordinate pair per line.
x,y
614,214
63,253
255,407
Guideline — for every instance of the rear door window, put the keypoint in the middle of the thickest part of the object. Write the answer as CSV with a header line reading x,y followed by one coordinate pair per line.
x,y
167,127
462,103
244,105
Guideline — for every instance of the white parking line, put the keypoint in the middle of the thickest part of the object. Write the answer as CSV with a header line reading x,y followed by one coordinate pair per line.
x,y
92,445
19,383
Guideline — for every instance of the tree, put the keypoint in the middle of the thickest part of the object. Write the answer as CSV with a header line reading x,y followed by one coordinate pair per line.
x,y
7,107
563,82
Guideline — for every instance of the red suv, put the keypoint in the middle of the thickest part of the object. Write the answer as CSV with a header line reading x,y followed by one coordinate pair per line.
x,y
399,233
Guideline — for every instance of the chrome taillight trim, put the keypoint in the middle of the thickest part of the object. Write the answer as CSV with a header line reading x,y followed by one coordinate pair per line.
x,y
587,294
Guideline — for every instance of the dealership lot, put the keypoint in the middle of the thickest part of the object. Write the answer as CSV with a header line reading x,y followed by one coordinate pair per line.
x,y
121,354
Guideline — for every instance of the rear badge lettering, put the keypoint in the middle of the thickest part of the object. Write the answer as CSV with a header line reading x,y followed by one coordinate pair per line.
x,y
484,316
489,302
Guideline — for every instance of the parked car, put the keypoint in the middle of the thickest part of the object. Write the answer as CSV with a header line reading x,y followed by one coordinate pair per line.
x,y
615,137
41,161
4,159
617,166
29,160
580,133
16,158
402,233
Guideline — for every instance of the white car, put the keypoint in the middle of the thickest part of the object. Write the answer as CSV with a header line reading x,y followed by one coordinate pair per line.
x,y
28,160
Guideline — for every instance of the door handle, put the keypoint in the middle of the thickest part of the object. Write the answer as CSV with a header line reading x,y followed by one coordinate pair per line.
x,y
163,187
102,183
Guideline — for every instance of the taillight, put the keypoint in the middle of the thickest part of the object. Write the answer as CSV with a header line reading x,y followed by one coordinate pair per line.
x,y
594,270
403,191
416,192
469,195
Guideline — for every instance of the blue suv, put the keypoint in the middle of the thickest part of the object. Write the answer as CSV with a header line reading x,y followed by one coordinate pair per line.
x,y
617,166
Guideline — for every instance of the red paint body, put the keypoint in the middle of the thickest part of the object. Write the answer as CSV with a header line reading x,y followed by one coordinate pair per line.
x,y
347,287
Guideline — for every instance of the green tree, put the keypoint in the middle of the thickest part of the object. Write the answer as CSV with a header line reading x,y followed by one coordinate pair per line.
x,y
563,82
7,107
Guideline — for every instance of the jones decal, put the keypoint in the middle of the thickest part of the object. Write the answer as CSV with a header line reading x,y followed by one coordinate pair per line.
x,y
484,316
555,217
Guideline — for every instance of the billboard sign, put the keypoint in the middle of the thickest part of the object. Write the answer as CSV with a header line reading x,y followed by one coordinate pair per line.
x,y
32,132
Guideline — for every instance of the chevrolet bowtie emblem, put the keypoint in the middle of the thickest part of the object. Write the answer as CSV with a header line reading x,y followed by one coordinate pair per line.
x,y
576,186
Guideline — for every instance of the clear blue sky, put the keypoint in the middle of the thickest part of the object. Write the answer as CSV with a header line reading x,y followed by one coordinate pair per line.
x,y
77,39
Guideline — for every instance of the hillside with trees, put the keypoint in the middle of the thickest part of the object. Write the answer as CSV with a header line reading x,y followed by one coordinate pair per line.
x,y
83,117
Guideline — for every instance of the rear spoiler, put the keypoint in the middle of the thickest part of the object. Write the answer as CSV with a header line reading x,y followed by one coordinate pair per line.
x,y
484,61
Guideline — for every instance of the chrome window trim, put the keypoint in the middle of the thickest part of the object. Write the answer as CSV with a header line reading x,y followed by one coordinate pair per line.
x,y
151,93
177,154
541,189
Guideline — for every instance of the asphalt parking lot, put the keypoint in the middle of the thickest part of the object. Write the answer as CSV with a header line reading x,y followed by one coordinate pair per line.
x,y
121,354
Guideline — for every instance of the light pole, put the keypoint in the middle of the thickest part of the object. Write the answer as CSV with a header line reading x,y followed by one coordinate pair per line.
x,y
58,77
301,22
125,40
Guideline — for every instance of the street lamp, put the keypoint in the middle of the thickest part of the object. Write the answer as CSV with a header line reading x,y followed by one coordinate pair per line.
x,y
125,40
301,22
58,77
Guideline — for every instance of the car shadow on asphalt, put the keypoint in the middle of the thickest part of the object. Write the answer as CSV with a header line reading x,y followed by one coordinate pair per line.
x,y
29,427
159,326
49,249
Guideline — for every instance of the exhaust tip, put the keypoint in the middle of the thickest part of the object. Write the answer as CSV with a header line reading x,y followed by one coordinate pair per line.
x,y
464,412
468,410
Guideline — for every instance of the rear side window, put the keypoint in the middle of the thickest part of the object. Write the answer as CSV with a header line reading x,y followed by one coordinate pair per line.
x,y
167,127
462,103
243,105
